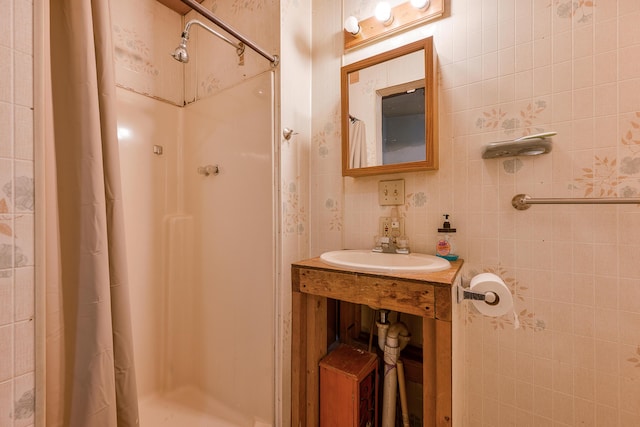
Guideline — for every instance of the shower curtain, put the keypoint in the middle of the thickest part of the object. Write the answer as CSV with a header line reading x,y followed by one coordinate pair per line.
x,y
90,376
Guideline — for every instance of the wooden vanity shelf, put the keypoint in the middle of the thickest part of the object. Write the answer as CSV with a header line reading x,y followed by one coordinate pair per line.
x,y
428,295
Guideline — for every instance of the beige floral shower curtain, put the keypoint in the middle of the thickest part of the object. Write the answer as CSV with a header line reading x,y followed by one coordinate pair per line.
x,y
90,376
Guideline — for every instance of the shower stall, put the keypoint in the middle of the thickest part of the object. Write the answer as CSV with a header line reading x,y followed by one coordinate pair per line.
x,y
200,197
202,254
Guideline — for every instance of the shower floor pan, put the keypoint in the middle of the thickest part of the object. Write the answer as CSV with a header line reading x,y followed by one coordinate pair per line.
x,y
190,407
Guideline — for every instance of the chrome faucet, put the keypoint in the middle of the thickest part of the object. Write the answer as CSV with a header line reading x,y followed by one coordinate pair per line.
x,y
388,245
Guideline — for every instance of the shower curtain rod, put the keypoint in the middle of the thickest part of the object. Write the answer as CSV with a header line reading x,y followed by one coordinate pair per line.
x,y
274,59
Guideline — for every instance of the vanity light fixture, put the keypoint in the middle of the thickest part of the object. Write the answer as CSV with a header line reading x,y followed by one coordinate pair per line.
x,y
351,25
420,4
383,13
388,20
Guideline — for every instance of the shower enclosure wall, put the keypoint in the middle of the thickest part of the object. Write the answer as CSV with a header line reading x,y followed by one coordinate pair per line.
x,y
201,254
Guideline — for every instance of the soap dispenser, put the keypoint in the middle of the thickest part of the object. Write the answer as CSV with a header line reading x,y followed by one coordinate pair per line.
x,y
445,248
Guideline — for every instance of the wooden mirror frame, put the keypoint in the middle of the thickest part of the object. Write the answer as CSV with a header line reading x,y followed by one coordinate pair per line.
x,y
431,116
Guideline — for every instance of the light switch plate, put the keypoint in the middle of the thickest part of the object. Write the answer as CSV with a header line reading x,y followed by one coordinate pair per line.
x,y
391,193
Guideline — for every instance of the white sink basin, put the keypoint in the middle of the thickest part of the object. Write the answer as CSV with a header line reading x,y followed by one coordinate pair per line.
x,y
366,260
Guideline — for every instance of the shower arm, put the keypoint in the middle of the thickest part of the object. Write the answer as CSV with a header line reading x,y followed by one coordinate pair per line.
x,y
274,59
185,35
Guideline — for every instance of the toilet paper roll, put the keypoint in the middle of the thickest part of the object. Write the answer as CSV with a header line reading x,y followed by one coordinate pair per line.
x,y
489,282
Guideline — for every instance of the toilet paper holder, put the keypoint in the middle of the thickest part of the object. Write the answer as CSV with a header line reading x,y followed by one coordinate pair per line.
x,y
489,297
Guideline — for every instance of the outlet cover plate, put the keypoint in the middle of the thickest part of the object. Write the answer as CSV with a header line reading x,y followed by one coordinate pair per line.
x,y
391,193
391,228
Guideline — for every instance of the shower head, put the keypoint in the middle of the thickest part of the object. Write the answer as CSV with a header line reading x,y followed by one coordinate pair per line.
x,y
181,54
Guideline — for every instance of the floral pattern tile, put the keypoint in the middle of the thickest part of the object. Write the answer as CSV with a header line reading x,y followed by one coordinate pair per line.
x,y
294,213
630,143
512,166
328,137
16,200
6,219
217,66
602,179
23,199
335,214
210,85
526,319
613,177
6,186
24,400
132,52
21,190
579,10
144,33
524,119
323,147
417,199
634,360
240,6
595,174
565,51
6,259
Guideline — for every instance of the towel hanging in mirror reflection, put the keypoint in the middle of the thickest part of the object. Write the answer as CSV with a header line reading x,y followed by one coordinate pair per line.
x,y
357,144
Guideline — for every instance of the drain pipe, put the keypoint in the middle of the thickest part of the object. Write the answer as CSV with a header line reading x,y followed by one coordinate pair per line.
x,y
391,339
402,388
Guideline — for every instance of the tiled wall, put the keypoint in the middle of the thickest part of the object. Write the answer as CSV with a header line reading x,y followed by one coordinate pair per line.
x,y
295,217
146,32
217,66
16,215
509,68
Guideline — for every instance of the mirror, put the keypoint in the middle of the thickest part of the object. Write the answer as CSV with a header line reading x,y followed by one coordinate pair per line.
x,y
389,117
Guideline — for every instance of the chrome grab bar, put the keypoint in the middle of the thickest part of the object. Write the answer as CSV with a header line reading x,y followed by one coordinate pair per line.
x,y
524,201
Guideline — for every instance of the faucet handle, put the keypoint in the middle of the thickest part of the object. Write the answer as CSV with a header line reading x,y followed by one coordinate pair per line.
x,y
384,241
402,242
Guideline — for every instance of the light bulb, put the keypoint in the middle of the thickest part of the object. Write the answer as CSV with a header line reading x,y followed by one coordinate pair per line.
x,y
420,4
383,13
351,25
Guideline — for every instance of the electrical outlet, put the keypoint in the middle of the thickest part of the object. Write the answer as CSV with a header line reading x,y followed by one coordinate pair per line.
x,y
391,192
390,228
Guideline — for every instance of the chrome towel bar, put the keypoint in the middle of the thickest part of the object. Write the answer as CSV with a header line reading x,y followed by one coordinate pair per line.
x,y
524,201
